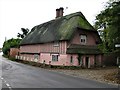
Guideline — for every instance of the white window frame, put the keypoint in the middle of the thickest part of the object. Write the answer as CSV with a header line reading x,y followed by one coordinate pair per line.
x,y
83,38
54,58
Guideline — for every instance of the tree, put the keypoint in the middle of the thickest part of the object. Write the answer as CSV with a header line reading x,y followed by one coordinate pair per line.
x,y
14,43
108,24
10,44
24,33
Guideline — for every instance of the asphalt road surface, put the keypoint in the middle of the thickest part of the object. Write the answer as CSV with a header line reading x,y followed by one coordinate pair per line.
x,y
17,75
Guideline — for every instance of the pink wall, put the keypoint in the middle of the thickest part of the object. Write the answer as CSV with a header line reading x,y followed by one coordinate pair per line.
x,y
14,52
45,48
90,38
48,58
64,59
91,60
75,60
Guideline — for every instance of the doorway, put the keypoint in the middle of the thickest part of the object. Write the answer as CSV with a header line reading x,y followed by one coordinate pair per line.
x,y
87,62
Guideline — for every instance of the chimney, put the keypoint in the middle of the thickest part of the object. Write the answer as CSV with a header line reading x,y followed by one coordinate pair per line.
x,y
59,12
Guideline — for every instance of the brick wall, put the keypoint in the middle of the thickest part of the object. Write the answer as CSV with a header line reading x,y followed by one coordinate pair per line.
x,y
14,52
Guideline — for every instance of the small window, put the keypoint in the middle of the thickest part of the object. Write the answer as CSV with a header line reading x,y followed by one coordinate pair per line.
x,y
56,44
54,57
71,59
36,56
83,39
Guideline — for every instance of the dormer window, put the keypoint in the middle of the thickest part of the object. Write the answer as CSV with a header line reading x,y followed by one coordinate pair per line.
x,y
83,39
56,44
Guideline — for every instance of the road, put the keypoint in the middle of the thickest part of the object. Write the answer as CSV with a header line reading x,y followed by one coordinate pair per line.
x,y
17,75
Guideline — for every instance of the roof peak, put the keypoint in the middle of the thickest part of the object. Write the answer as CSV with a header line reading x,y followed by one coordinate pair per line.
x,y
57,29
68,15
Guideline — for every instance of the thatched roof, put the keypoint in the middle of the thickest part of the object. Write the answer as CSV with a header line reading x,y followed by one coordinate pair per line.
x,y
58,29
83,49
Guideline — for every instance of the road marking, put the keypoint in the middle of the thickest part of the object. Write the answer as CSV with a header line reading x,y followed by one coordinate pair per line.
x,y
8,85
10,88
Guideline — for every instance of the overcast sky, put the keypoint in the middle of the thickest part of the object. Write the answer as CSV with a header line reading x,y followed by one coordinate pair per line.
x,y
17,14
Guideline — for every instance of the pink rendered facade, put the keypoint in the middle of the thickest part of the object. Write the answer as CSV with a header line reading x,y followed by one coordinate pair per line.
x,y
90,40
43,53
45,48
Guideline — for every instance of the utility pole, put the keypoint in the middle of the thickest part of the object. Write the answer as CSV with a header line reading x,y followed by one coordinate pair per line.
x,y
5,39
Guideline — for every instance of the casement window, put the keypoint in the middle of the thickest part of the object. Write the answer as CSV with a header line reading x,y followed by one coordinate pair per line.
x,y
56,44
83,39
71,59
54,57
36,56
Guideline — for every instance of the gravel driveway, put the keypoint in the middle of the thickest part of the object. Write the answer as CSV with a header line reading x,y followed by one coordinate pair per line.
x,y
100,75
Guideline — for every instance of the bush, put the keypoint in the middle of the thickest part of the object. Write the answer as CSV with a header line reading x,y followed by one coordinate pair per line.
x,y
6,56
10,44
11,58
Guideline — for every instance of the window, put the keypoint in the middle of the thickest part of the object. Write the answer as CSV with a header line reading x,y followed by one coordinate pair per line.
x,y
36,57
83,39
54,57
71,59
56,43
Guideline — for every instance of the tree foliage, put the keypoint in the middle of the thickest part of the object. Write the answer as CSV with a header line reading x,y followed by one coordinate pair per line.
x,y
10,44
14,43
24,33
108,24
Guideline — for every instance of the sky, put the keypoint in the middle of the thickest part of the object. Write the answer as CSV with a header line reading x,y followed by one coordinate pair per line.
x,y
17,14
